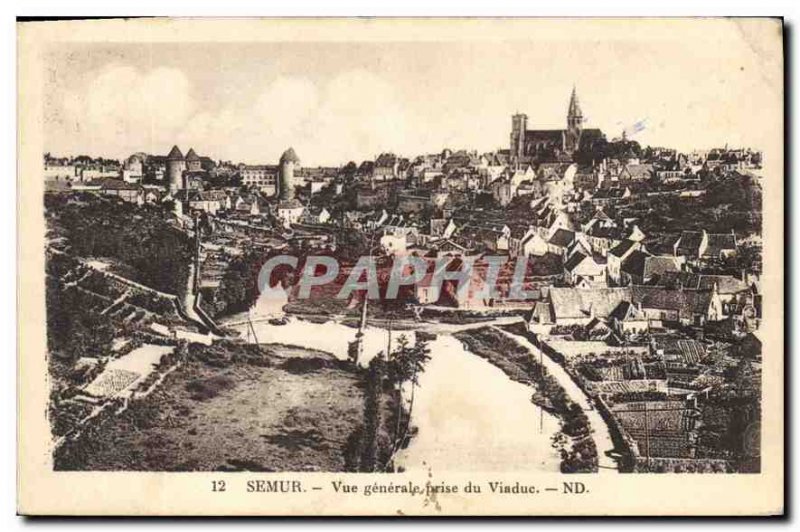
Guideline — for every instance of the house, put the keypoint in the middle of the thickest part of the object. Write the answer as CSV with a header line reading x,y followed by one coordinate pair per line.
x,y
448,247
116,187
599,219
316,185
579,245
263,177
585,269
412,201
490,238
370,197
599,330
629,318
529,188
516,236
61,169
686,307
250,204
210,201
386,167
399,226
394,244
533,245
659,306
289,211
560,241
316,215
90,172
603,237
376,219
152,193
690,244
610,196
730,290
719,246
442,227
705,246
641,268
634,233
133,168
617,255
636,172
503,191
585,178
572,306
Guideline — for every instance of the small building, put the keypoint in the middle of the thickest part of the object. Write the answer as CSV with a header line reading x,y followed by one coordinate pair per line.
x,y
705,246
585,267
560,240
289,212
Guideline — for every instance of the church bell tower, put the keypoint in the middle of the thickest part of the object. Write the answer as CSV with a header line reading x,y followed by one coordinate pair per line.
x,y
574,123
519,123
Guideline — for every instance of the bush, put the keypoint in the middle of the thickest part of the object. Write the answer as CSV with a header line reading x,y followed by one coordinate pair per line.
x,y
203,389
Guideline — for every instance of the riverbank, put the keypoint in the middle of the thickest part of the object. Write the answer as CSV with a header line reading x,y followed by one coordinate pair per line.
x,y
602,433
233,408
576,447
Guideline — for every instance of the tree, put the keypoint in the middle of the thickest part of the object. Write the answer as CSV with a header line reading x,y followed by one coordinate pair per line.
x,y
405,365
373,418
349,170
73,329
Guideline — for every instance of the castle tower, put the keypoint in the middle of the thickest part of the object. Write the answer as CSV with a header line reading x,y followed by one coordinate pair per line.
x,y
574,123
289,160
519,124
193,163
175,167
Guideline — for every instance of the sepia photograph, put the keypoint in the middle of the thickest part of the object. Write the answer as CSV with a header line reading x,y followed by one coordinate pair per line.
x,y
407,265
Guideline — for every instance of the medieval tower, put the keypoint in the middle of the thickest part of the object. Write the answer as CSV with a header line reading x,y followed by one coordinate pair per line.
x,y
519,124
176,164
288,162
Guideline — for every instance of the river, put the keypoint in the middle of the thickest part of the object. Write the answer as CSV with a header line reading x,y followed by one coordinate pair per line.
x,y
470,417
467,412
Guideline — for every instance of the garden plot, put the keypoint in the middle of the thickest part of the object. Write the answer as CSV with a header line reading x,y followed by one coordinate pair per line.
x,y
123,373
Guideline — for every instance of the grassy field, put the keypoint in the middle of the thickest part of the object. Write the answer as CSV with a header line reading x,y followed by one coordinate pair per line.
x,y
293,415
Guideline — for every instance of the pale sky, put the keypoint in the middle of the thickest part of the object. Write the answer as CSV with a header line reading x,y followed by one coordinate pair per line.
x,y
340,101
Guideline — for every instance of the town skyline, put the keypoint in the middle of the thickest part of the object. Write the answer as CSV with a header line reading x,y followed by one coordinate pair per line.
x,y
339,102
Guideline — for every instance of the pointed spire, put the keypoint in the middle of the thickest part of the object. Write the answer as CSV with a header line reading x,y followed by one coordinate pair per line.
x,y
574,104
175,154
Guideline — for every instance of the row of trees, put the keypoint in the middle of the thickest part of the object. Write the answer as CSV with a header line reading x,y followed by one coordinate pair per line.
x,y
238,289
386,427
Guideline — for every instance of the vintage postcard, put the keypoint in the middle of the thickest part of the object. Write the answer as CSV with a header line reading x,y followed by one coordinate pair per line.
x,y
401,267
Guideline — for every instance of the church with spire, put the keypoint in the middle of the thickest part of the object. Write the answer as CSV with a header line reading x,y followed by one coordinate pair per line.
x,y
547,145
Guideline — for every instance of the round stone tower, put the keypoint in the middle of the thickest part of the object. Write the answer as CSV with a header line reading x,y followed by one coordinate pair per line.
x,y
288,162
176,164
